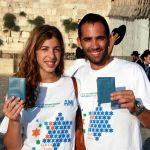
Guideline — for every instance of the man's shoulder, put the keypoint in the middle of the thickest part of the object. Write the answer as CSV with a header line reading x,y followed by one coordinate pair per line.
x,y
127,65
82,70
125,62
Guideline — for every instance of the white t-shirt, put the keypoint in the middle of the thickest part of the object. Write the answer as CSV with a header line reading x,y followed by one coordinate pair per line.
x,y
104,128
51,123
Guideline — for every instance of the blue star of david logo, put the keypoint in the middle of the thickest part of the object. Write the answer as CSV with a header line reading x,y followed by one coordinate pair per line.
x,y
99,122
57,131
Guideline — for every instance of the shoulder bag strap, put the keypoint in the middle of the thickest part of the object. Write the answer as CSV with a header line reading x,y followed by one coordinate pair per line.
x,y
75,87
79,135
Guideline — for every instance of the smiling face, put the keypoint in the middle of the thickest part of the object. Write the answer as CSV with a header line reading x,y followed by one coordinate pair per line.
x,y
94,43
48,57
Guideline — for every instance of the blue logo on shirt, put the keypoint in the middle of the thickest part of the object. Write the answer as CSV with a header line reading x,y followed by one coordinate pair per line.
x,y
68,102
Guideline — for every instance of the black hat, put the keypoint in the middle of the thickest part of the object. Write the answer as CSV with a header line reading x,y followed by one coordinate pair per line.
x,y
136,53
121,32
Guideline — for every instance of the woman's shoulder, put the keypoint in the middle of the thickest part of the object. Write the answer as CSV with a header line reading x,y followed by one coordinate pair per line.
x,y
69,79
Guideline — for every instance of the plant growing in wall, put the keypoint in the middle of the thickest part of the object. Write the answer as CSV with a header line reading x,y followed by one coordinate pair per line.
x,y
73,45
1,42
16,28
38,21
23,14
70,25
10,23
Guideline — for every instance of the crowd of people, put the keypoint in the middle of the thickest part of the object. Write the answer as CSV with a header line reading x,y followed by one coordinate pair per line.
x,y
143,60
50,117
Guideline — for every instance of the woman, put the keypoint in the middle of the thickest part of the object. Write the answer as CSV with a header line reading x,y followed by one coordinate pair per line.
x,y
48,118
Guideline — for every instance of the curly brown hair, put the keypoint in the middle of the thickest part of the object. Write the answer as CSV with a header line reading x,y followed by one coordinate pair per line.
x,y
28,66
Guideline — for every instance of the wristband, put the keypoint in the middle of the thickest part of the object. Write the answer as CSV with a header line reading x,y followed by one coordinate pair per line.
x,y
138,108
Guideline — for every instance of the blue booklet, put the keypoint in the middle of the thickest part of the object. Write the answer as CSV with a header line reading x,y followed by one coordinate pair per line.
x,y
105,86
17,87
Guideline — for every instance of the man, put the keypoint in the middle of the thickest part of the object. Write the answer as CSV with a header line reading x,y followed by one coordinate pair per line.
x,y
136,58
146,60
116,37
104,128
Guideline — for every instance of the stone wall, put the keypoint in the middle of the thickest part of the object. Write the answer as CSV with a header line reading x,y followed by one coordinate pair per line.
x,y
136,37
6,66
54,12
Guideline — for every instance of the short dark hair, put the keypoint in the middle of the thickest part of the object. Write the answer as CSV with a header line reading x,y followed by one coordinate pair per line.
x,y
93,18
145,54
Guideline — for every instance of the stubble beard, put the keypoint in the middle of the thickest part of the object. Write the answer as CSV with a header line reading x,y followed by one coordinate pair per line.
x,y
99,61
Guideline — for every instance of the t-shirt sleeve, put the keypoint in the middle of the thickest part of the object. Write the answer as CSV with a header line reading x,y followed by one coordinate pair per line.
x,y
4,125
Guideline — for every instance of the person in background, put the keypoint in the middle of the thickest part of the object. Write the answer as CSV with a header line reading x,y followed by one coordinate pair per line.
x,y
146,145
46,120
79,61
146,60
106,128
116,37
136,58
113,38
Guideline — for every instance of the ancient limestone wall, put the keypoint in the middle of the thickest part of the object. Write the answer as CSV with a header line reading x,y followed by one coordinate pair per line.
x,y
54,12
6,66
136,37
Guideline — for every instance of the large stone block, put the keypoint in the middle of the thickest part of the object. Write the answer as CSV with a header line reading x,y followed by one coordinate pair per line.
x,y
6,66
44,2
3,3
51,11
68,63
15,34
25,34
22,21
16,47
